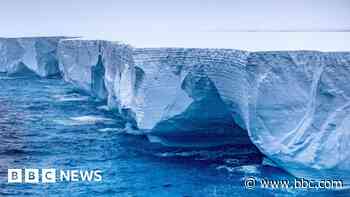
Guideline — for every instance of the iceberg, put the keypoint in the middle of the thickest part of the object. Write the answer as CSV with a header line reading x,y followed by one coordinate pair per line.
x,y
191,97
29,55
294,106
299,111
101,68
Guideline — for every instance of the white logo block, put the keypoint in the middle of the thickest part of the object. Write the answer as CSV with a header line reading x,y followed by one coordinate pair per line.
x,y
14,175
48,175
31,175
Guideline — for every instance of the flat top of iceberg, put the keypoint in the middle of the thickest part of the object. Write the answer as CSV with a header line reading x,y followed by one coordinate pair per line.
x,y
249,41
244,41
37,37
94,40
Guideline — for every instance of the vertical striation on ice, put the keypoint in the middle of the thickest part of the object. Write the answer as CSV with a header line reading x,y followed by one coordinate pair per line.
x,y
190,96
102,68
298,111
31,54
293,105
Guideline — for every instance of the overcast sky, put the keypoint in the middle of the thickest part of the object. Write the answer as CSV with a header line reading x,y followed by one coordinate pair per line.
x,y
243,24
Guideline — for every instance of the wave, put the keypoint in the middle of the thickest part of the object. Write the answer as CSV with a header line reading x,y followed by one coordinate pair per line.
x,y
118,130
103,107
245,169
69,98
85,120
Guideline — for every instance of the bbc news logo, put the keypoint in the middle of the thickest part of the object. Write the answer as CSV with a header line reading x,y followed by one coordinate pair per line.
x,y
52,175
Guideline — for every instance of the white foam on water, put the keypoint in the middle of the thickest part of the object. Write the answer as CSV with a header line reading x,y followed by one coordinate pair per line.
x,y
6,77
103,107
118,130
203,153
84,120
227,168
129,130
246,169
91,119
68,98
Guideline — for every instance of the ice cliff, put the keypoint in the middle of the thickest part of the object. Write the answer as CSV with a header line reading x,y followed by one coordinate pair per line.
x,y
182,95
299,106
294,106
36,55
102,68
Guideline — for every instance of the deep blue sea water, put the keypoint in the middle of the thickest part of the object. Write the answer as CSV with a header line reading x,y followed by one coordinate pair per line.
x,y
46,123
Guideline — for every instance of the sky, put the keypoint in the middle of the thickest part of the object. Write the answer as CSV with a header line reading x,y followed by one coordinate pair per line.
x,y
241,24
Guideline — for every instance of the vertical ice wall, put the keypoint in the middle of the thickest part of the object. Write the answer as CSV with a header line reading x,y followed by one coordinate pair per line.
x,y
299,111
294,105
102,68
192,93
33,54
